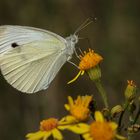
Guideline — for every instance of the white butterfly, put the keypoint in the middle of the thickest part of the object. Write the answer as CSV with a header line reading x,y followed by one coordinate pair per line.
x,y
30,57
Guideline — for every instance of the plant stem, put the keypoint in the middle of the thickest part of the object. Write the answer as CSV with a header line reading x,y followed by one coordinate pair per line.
x,y
130,136
121,116
81,138
137,116
120,121
131,121
102,92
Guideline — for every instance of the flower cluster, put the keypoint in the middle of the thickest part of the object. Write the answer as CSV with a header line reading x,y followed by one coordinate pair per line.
x,y
84,117
79,114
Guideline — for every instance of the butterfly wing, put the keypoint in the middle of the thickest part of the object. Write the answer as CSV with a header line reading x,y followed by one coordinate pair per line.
x,y
34,62
23,35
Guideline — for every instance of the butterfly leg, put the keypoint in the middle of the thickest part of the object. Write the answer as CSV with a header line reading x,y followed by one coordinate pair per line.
x,y
72,63
81,52
76,53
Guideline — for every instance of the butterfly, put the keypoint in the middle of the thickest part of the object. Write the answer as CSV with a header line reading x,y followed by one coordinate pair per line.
x,y
31,57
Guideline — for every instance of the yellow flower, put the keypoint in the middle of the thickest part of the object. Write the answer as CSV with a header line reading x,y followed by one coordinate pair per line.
x,y
79,112
100,129
79,108
49,127
88,61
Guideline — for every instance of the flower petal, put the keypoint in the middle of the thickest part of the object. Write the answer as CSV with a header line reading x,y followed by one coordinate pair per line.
x,y
79,128
68,120
113,125
71,119
76,77
87,100
87,136
36,135
57,134
82,72
70,100
99,117
120,137
78,101
63,127
84,126
67,107
47,135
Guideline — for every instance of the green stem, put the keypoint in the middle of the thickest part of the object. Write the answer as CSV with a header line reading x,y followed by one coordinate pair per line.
x,y
81,138
120,121
131,121
130,136
121,116
102,92
137,116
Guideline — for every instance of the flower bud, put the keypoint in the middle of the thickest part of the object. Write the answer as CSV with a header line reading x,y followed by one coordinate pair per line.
x,y
130,91
106,112
116,110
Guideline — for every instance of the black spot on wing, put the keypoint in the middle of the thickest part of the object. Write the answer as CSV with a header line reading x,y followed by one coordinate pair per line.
x,y
14,45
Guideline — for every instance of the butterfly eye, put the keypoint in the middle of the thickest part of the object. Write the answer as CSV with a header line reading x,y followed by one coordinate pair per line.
x,y
73,40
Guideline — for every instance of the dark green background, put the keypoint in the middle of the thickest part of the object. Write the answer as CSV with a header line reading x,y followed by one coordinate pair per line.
x,y
115,35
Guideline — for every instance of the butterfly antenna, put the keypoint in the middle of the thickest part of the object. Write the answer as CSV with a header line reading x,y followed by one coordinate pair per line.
x,y
84,24
77,30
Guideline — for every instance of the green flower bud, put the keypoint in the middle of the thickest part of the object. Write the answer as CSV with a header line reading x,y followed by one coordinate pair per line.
x,y
130,91
116,110
106,112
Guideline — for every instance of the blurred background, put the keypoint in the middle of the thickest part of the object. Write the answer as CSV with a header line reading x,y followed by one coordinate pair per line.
x,y
115,35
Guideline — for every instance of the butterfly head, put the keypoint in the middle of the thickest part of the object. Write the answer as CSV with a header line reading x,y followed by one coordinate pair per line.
x,y
72,39
70,44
